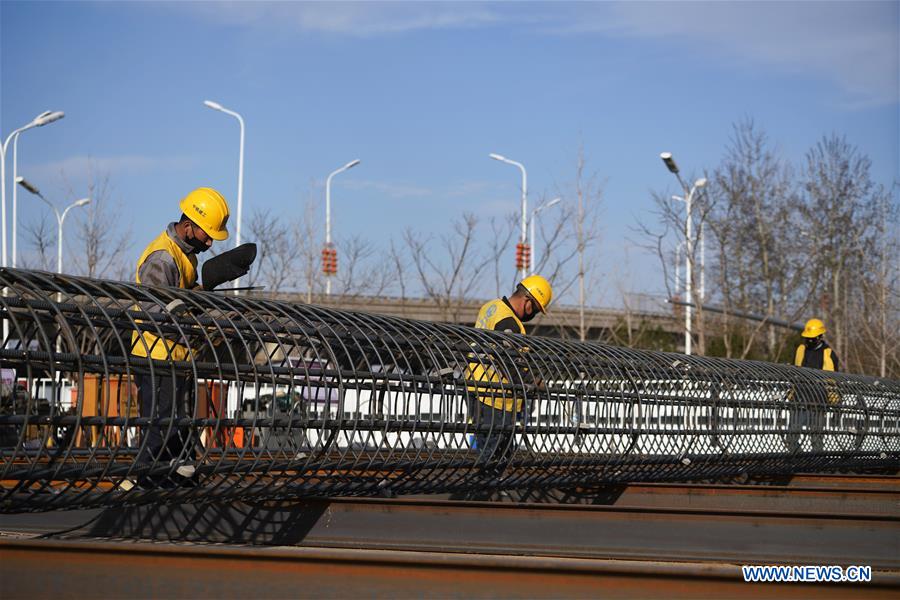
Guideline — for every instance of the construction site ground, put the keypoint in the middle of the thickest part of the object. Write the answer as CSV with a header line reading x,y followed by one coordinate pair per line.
x,y
649,539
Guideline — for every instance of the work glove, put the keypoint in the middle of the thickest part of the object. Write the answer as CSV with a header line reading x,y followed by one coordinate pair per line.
x,y
228,266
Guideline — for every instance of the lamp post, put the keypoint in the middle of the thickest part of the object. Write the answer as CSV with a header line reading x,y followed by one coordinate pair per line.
x,y
42,119
534,215
678,248
702,293
240,202
60,218
39,121
702,268
329,254
689,248
523,240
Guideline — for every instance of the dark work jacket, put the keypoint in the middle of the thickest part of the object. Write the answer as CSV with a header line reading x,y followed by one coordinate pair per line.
x,y
820,356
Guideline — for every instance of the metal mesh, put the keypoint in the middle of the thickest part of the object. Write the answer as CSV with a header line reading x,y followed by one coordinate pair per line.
x,y
249,398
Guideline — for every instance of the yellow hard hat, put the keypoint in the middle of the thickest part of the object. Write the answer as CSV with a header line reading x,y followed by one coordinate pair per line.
x,y
207,208
539,289
814,328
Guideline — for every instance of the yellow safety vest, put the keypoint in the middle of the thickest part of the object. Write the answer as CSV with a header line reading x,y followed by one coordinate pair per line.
x,y
490,314
160,348
832,395
827,362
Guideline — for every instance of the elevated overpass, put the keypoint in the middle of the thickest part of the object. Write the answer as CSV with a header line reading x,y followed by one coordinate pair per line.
x,y
562,321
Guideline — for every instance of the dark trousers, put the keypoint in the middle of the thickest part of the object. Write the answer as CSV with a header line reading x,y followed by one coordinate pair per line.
x,y
165,398
812,415
496,446
814,420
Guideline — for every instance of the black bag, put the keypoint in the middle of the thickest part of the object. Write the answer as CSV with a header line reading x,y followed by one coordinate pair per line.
x,y
228,266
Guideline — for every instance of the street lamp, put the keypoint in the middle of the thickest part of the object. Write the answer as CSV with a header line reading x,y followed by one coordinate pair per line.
x,y
670,162
678,248
60,218
329,254
42,119
39,121
534,215
523,240
240,202
689,249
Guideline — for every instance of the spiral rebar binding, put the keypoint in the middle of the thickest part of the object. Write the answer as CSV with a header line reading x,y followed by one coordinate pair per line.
x,y
245,398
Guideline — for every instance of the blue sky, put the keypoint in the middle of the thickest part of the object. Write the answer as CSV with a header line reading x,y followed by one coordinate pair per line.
x,y
422,92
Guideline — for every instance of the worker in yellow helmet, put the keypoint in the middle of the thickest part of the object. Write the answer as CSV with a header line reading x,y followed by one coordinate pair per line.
x,y
810,409
171,260
814,352
532,295
495,406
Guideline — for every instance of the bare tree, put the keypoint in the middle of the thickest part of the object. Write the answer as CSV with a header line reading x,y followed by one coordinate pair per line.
x,y
361,272
307,235
875,307
879,314
503,231
102,236
448,276
399,268
288,257
840,211
41,236
578,221
788,246
277,252
671,218
671,222
633,330
557,252
755,224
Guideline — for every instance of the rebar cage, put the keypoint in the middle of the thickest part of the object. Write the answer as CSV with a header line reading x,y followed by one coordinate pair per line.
x,y
117,393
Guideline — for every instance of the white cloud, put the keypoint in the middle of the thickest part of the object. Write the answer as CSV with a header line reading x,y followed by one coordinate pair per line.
x,y
348,18
498,208
77,168
469,189
855,44
466,191
852,43
397,191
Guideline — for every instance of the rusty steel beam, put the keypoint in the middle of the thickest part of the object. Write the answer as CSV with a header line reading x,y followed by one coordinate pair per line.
x,y
44,569
278,400
871,501
783,499
844,481
633,530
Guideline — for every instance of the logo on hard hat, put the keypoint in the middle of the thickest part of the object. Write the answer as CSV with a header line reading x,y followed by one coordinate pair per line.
x,y
199,210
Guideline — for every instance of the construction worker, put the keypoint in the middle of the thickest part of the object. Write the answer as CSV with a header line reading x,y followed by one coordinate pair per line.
x,y
171,260
495,406
814,352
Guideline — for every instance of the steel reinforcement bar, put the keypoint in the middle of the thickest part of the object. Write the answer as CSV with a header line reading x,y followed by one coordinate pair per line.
x,y
115,393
